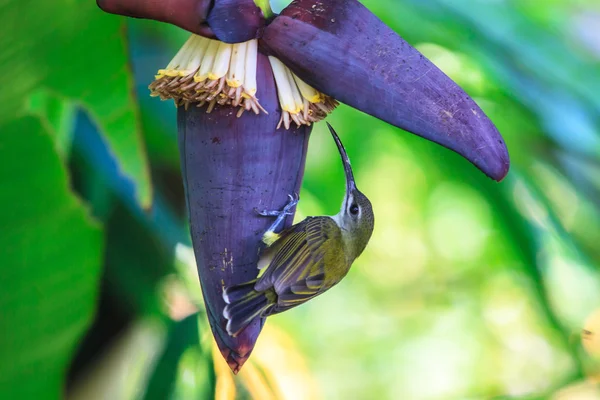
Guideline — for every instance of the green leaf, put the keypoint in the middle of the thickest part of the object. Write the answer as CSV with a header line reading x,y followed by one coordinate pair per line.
x,y
76,51
50,264
57,115
136,262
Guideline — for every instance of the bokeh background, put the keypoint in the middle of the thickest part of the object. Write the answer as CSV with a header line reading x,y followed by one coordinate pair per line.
x,y
469,289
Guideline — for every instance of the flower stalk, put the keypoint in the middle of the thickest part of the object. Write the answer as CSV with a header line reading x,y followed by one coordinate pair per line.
x,y
265,7
287,74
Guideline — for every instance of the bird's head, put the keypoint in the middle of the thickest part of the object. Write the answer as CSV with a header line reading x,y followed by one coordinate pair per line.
x,y
356,218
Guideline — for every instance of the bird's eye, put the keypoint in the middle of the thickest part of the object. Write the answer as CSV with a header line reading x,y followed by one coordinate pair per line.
x,y
353,209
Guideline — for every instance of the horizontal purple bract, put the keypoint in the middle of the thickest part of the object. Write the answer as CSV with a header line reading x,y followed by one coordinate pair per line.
x,y
187,14
342,49
230,167
230,21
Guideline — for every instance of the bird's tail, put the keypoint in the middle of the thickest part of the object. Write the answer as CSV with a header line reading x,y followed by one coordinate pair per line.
x,y
243,305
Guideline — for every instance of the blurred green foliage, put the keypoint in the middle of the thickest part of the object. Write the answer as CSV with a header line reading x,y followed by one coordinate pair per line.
x,y
468,289
51,259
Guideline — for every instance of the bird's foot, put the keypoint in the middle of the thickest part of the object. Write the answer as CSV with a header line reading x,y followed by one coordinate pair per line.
x,y
286,210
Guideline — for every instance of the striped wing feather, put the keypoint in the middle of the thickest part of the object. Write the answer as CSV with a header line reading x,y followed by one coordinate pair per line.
x,y
297,262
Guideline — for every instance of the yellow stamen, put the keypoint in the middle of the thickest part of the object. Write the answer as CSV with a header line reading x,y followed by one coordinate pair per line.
x,y
251,60
207,61
235,76
308,92
208,73
284,88
195,57
171,69
181,68
295,92
221,64
299,102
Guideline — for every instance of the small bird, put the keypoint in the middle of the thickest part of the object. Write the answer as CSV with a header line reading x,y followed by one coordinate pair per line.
x,y
304,260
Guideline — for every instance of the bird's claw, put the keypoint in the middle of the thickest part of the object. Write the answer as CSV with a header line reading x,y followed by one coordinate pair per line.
x,y
293,201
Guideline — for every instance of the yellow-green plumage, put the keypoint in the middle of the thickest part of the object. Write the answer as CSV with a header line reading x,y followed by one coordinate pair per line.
x,y
297,261
305,260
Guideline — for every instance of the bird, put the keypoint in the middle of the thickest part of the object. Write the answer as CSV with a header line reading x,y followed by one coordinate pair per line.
x,y
304,260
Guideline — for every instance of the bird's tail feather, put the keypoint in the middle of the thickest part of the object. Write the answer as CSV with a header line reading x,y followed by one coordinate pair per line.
x,y
243,305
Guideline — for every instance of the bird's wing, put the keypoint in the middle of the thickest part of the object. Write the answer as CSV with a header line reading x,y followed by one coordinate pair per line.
x,y
297,262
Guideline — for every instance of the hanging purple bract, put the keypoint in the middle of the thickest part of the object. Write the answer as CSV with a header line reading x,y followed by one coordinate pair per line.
x,y
228,171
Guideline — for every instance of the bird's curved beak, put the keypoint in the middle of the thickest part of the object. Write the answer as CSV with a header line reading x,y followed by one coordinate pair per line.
x,y
350,184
